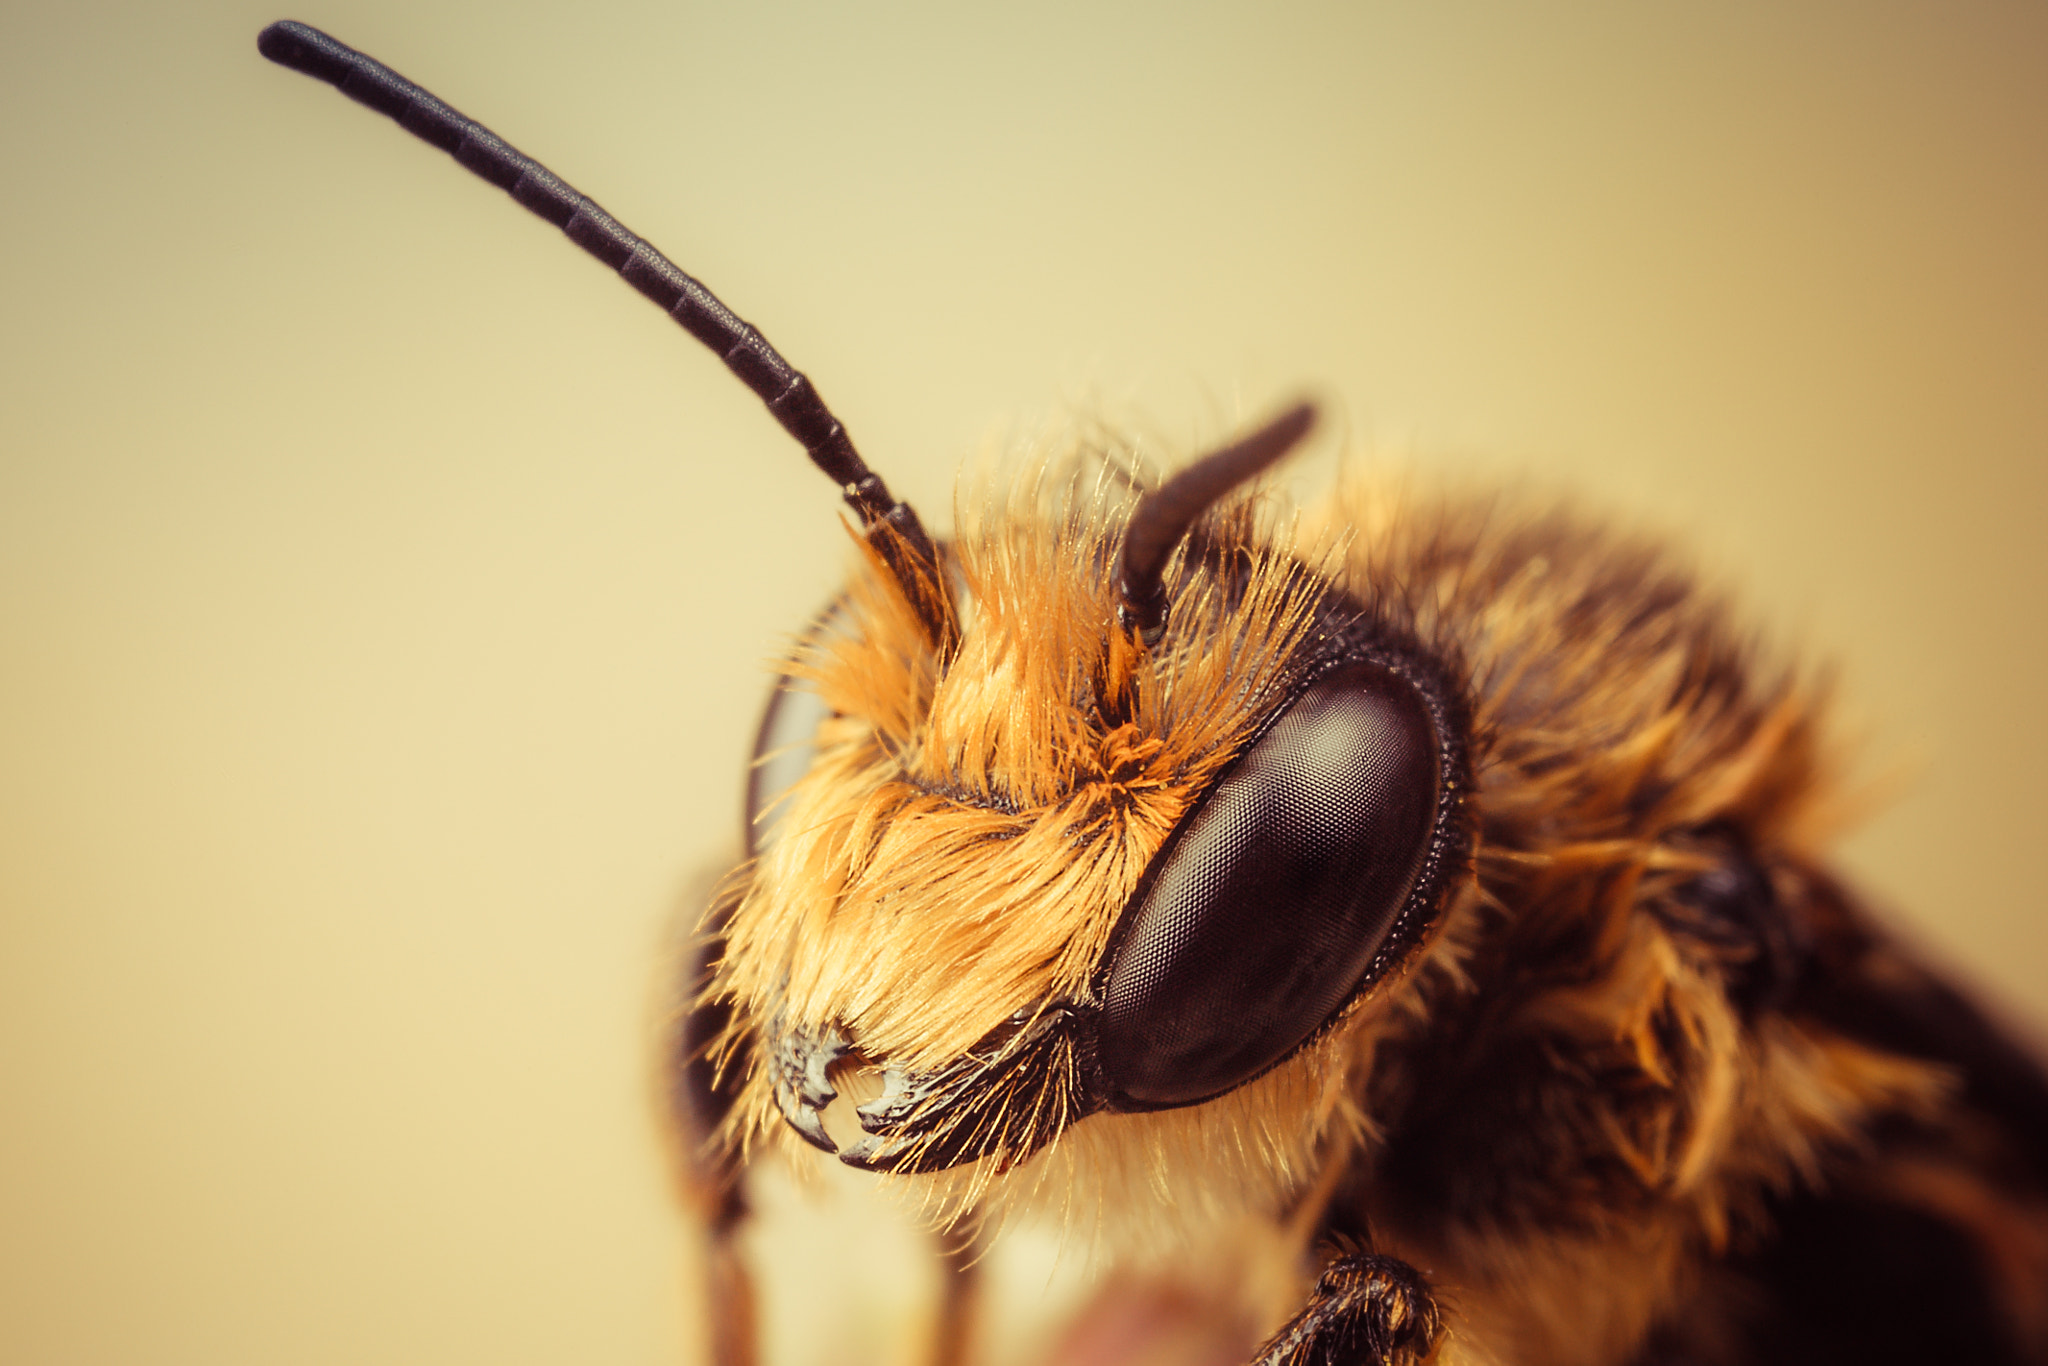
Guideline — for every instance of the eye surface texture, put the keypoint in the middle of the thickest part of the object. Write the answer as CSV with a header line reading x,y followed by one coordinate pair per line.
x,y
783,750
1267,909
787,741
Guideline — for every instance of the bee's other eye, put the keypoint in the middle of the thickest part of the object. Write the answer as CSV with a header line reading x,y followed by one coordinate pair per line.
x,y
1265,911
783,750
787,741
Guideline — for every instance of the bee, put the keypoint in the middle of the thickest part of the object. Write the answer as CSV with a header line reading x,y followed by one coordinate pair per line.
x,y
1429,880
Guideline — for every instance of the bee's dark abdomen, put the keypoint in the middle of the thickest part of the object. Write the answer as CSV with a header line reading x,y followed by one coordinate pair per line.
x,y
1863,985
1870,1282
1850,1282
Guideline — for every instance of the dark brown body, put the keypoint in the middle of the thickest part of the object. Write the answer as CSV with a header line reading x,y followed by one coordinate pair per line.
x,y
1654,1089
1921,1237
1587,1147
1928,1242
1630,1079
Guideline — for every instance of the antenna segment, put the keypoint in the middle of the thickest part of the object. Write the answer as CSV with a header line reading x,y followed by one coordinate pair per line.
x,y
788,394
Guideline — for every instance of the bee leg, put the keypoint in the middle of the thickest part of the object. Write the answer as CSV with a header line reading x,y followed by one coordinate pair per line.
x,y
1366,1310
702,1091
1733,911
959,1296
729,1290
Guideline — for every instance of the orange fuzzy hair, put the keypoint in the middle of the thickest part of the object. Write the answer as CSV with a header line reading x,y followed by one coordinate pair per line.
x,y
961,847
974,825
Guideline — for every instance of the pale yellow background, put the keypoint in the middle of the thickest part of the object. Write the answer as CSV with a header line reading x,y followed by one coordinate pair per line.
x,y
384,588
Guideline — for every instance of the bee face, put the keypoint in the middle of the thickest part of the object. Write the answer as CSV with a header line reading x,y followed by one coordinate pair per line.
x,y
1064,866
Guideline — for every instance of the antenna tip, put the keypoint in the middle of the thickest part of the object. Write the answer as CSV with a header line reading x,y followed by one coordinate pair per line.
x,y
303,48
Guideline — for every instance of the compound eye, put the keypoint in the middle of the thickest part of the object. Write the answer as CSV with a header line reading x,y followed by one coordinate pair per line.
x,y
1268,906
787,741
783,750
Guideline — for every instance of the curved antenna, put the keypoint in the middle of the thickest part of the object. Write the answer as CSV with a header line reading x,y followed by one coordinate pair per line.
x,y
780,385
1164,515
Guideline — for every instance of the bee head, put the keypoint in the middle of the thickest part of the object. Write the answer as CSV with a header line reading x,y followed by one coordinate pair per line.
x,y
1107,807
1155,813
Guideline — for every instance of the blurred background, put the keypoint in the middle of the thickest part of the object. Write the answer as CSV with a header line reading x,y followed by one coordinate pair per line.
x,y
386,592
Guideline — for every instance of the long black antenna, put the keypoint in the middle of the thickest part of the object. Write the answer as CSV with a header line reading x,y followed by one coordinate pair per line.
x,y
746,352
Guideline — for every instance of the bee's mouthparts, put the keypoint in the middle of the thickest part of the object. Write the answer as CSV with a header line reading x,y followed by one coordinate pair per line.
x,y
1007,1096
